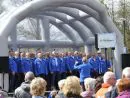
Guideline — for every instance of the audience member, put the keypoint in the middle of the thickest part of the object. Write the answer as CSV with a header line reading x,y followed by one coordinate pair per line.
x,y
98,85
72,87
38,87
61,85
126,72
24,90
124,88
113,92
109,80
3,93
89,87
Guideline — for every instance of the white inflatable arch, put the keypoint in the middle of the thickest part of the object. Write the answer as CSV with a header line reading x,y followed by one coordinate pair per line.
x,y
46,12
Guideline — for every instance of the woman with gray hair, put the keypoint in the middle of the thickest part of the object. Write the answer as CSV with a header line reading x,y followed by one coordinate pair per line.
x,y
89,87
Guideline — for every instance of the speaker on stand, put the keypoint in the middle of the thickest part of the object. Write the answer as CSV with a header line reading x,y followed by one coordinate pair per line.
x,y
125,60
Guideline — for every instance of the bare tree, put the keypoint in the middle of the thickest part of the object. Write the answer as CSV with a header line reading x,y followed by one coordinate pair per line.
x,y
1,8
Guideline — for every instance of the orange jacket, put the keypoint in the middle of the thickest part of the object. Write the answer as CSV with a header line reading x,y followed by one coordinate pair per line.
x,y
101,92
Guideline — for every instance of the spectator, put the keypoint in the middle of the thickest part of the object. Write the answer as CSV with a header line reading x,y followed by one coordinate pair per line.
x,y
3,93
126,72
52,94
61,85
98,85
89,87
38,87
109,80
72,87
113,92
124,88
24,90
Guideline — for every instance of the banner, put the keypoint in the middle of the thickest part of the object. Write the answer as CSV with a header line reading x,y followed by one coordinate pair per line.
x,y
106,40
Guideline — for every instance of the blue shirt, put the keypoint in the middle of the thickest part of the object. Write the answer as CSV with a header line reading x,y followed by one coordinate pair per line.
x,y
104,65
23,64
70,61
84,70
20,68
54,64
63,65
12,65
40,66
94,63
28,66
78,59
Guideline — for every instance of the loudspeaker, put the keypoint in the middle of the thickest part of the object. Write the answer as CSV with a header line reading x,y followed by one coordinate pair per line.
x,y
4,64
125,60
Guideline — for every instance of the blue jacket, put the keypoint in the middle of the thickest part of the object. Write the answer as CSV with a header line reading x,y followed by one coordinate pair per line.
x,y
19,65
94,64
78,59
84,70
70,61
23,64
63,64
47,63
40,66
103,66
33,65
28,65
12,65
54,64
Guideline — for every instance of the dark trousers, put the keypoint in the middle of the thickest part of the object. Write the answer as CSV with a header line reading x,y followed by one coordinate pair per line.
x,y
48,79
20,79
63,75
55,77
12,82
94,74
75,73
42,76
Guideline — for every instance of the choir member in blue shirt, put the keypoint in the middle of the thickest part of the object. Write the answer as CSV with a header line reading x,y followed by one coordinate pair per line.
x,y
19,75
104,65
95,65
77,59
40,66
55,67
70,61
63,69
28,63
13,71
